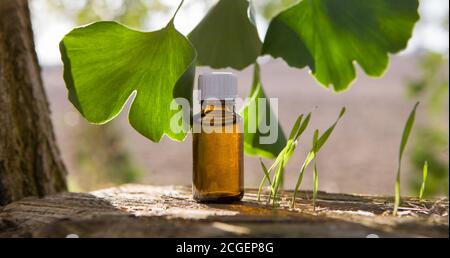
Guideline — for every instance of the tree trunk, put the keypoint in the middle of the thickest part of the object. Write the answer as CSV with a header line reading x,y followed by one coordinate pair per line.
x,y
30,162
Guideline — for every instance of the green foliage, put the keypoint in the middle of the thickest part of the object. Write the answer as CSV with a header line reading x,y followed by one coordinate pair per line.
x,y
317,144
432,83
424,180
285,155
430,143
101,159
159,66
105,62
328,36
132,13
405,136
252,145
431,138
282,159
227,36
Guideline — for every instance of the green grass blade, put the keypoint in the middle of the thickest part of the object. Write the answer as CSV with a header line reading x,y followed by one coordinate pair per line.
x,y
289,152
324,137
305,164
424,180
279,157
261,185
405,136
295,127
277,182
272,167
397,191
266,172
407,130
283,158
303,127
309,157
315,140
315,186
318,142
267,177
290,149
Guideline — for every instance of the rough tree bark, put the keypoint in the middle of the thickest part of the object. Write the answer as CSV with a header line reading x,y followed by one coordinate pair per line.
x,y
30,162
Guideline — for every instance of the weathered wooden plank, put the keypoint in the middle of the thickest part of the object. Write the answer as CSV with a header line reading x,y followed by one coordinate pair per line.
x,y
169,211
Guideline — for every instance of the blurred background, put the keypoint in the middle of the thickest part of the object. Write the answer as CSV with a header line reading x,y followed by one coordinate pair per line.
x,y
361,155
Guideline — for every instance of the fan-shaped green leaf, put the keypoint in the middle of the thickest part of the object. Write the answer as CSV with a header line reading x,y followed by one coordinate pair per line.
x,y
251,113
329,35
227,36
105,62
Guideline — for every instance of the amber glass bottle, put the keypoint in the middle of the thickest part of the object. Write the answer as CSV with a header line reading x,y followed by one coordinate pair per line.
x,y
218,142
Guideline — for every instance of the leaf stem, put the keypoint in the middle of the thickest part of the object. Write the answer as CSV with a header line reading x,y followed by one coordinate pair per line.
x,y
176,11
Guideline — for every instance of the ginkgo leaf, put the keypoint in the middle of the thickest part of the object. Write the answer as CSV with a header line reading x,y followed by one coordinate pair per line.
x,y
330,35
106,62
227,36
253,144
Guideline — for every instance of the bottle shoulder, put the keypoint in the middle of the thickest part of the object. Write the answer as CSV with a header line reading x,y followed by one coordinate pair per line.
x,y
219,116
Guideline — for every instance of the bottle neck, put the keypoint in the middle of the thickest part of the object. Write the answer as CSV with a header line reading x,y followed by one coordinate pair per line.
x,y
224,105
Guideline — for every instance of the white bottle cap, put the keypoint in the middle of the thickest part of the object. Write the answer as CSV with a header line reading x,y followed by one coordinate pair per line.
x,y
217,85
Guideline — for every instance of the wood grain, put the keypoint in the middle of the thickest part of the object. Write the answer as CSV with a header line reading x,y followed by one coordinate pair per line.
x,y
169,211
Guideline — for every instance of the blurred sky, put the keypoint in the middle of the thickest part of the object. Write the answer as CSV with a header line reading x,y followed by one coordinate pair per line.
x,y
50,26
